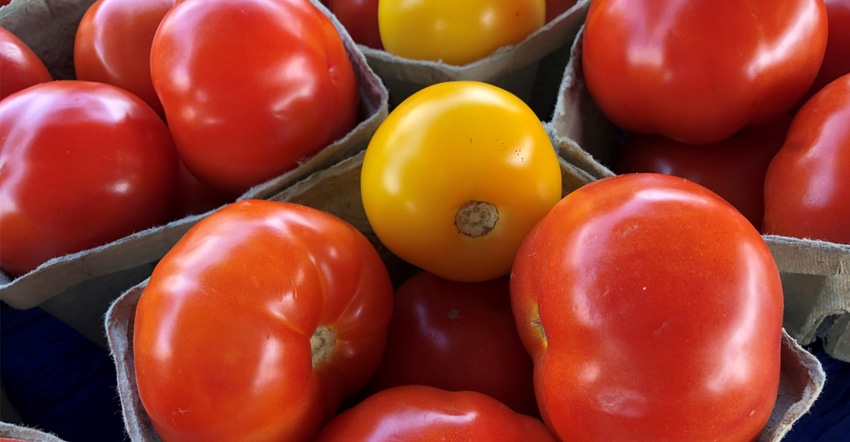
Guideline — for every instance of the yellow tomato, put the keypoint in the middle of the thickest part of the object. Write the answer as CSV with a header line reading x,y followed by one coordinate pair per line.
x,y
457,32
455,177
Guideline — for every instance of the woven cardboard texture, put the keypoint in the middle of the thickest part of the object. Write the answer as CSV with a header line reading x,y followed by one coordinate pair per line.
x,y
815,275
77,288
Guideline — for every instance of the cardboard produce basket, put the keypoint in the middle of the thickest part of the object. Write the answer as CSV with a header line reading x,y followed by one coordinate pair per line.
x,y
531,69
78,288
815,274
336,190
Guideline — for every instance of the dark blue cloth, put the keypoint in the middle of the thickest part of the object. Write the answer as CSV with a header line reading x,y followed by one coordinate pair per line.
x,y
58,380
829,418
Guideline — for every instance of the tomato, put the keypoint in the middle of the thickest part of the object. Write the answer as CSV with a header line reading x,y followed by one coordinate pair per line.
x,y
653,311
733,167
455,176
21,66
113,44
420,412
270,87
457,336
836,59
698,71
81,164
555,8
194,197
456,33
272,312
807,185
360,18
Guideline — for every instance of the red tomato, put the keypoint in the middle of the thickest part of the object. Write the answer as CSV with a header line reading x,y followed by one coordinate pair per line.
x,y
807,187
360,18
734,167
194,197
113,44
653,311
698,71
258,322
424,413
270,87
457,336
81,164
554,8
836,60
21,66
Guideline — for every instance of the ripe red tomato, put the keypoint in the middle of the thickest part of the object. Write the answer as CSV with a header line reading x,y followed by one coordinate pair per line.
x,y
113,44
21,66
653,311
457,336
698,71
360,18
733,167
258,322
194,197
81,164
271,86
807,186
836,60
554,8
420,413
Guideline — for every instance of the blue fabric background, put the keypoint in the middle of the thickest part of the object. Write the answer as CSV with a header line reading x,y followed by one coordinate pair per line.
x,y
61,382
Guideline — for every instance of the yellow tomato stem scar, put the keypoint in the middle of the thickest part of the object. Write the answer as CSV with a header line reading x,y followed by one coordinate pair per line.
x,y
323,342
476,218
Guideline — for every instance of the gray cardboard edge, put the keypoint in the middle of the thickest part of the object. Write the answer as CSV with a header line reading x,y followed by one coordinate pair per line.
x,y
511,67
59,285
25,433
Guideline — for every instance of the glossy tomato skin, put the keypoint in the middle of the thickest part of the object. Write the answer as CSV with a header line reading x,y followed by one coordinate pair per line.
x,y
836,59
451,146
807,185
457,336
420,412
21,66
81,164
272,312
698,71
113,45
360,18
457,33
653,311
733,167
271,86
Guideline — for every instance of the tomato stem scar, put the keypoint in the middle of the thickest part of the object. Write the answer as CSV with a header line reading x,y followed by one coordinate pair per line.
x,y
476,218
323,342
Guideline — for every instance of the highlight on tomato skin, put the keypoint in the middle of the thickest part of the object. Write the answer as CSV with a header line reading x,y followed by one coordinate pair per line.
x,y
457,336
734,167
421,412
453,32
455,176
653,310
83,164
21,66
807,185
236,120
698,71
273,312
113,45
